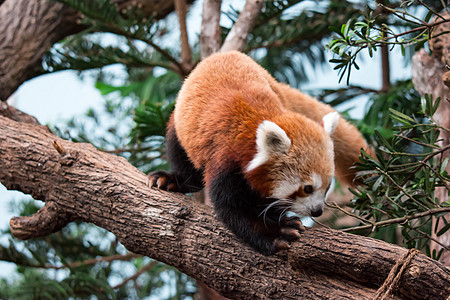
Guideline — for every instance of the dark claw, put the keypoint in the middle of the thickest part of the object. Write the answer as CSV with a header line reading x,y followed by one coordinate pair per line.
x,y
280,244
293,222
290,234
161,180
172,187
290,228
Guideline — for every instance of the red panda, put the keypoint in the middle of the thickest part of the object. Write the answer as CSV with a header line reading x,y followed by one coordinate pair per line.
x,y
259,148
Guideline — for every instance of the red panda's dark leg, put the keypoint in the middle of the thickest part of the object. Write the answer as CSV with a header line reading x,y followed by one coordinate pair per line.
x,y
182,177
242,211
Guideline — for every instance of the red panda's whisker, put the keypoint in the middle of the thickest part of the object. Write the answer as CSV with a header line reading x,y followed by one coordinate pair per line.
x,y
284,204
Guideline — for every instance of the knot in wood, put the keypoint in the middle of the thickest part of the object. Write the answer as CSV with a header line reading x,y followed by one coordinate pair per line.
x,y
182,212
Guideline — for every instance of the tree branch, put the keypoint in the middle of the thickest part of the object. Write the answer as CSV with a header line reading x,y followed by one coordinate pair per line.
x,y
210,30
124,257
16,115
136,275
373,225
106,190
186,55
47,220
237,36
30,28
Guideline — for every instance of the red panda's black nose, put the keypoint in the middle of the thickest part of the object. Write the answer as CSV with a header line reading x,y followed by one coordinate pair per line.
x,y
316,212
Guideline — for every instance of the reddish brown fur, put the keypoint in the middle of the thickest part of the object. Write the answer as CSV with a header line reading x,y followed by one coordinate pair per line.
x,y
347,139
224,100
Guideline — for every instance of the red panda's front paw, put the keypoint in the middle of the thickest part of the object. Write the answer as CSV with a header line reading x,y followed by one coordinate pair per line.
x,y
293,222
290,228
161,180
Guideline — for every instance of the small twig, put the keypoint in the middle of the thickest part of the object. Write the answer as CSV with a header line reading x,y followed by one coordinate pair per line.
x,y
176,65
348,213
320,223
432,238
401,188
432,211
430,9
91,261
110,258
136,275
444,181
393,202
429,156
396,13
380,210
416,142
57,145
425,27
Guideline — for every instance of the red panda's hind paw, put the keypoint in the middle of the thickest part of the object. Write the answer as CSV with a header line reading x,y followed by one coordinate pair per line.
x,y
162,180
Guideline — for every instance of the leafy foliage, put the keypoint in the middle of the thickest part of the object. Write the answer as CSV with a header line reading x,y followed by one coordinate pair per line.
x,y
401,97
401,180
397,201
378,28
294,39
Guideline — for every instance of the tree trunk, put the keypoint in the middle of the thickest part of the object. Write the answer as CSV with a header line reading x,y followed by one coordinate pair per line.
x,y
78,182
427,78
29,28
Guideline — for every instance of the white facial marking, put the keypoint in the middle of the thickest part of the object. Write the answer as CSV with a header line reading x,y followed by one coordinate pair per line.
x,y
317,181
286,188
270,139
303,206
330,122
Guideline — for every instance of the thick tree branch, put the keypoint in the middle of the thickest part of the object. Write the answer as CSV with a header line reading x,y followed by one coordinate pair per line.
x,y
47,220
21,22
237,36
16,115
30,28
106,190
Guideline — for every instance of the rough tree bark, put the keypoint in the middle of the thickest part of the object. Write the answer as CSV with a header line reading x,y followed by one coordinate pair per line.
x,y
210,31
427,72
237,36
29,28
78,182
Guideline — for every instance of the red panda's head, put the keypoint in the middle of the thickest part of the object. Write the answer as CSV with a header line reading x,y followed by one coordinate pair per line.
x,y
294,161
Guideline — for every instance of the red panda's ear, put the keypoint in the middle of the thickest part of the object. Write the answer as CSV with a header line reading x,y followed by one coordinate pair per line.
x,y
330,122
270,140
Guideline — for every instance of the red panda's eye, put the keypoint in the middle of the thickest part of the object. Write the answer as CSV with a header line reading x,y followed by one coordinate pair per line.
x,y
308,189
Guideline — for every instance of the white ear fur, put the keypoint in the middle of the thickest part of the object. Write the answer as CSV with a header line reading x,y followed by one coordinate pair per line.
x,y
270,139
330,122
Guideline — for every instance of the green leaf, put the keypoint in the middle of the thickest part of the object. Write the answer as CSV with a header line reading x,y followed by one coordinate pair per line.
x,y
444,164
428,16
401,117
443,229
377,184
